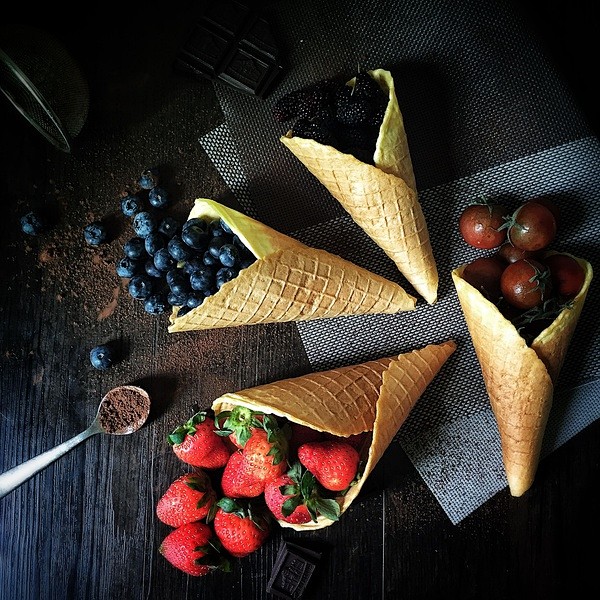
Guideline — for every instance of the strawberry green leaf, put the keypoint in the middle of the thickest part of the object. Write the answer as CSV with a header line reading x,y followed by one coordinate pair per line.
x,y
290,505
328,508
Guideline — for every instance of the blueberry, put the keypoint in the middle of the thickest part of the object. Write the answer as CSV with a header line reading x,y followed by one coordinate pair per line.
x,y
209,260
131,205
176,300
183,311
163,260
151,269
149,178
127,267
214,246
215,229
134,248
192,264
229,255
194,221
225,227
156,304
102,357
144,223
224,275
180,283
154,242
169,227
33,223
178,249
202,279
195,299
140,286
95,233
158,197
195,237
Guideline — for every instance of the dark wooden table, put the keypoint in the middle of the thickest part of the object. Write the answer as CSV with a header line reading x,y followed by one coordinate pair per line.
x,y
85,527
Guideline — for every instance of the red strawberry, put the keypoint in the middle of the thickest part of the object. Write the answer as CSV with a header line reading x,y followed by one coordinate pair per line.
x,y
192,549
187,499
237,482
333,463
265,455
196,443
240,529
356,441
301,434
238,423
294,498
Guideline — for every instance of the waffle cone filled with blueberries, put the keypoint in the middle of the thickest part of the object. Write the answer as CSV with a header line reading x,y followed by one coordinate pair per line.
x,y
363,405
281,280
351,137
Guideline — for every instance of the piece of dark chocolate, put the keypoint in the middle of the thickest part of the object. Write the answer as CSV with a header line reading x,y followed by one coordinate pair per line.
x,y
292,571
233,44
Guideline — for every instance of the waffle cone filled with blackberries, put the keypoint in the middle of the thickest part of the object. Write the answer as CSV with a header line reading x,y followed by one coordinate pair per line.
x,y
375,186
285,281
372,398
519,377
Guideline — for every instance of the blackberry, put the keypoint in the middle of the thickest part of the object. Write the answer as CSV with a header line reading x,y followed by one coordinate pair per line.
x,y
314,103
314,130
366,87
286,107
351,109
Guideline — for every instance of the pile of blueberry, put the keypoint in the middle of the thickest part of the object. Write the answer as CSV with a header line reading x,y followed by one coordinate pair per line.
x,y
335,114
172,264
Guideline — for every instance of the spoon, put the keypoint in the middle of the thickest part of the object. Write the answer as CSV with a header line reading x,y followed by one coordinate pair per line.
x,y
122,411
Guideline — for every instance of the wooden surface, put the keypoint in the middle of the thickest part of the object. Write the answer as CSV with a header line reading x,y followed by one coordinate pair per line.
x,y
85,527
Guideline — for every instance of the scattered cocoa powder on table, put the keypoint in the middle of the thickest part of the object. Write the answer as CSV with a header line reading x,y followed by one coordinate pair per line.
x,y
124,409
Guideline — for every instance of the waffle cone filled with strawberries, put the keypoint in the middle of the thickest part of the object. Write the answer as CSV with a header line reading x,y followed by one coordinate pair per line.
x,y
361,406
377,190
519,376
286,281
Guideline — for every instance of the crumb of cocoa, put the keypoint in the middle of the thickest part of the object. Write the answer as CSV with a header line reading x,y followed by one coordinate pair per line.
x,y
124,410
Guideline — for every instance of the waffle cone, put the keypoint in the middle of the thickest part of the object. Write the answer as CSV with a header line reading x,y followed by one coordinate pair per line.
x,y
289,281
519,379
375,396
381,198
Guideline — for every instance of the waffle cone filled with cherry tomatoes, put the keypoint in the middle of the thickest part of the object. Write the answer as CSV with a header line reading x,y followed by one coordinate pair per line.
x,y
519,375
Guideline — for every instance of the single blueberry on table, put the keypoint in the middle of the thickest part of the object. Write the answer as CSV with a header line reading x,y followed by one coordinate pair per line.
x,y
169,227
229,255
178,249
163,260
102,357
141,286
154,242
144,223
134,248
95,233
127,267
33,223
131,205
158,197
156,304
149,178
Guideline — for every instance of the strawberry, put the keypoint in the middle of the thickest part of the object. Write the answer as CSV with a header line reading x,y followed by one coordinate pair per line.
x,y
189,498
238,424
333,463
357,440
196,443
194,549
301,434
237,482
264,455
240,529
294,497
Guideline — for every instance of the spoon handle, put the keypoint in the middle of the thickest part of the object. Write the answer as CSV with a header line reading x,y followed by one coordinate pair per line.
x,y
13,478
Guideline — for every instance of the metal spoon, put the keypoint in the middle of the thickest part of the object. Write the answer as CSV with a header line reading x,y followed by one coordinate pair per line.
x,y
108,420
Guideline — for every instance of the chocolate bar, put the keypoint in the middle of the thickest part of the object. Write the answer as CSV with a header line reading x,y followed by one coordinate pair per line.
x,y
292,571
233,44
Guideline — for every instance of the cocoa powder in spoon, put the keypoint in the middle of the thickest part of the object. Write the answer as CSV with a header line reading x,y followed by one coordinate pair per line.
x,y
124,410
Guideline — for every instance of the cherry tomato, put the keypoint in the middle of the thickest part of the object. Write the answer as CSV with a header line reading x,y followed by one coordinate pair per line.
x,y
479,225
566,273
484,275
511,253
526,283
532,226
550,204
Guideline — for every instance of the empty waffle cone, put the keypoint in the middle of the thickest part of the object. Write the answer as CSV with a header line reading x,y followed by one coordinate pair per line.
x,y
289,281
375,397
381,198
519,379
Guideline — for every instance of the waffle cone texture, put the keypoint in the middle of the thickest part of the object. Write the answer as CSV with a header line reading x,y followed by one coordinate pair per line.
x,y
519,379
381,198
289,281
375,396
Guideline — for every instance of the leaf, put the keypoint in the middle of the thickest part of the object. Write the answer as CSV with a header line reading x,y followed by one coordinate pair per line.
x,y
328,508
229,505
290,505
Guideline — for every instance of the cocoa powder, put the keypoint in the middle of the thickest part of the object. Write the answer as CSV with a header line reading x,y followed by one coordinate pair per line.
x,y
124,410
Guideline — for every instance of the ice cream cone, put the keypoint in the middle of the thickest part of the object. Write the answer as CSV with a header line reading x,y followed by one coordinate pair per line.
x,y
381,198
289,281
519,379
375,397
